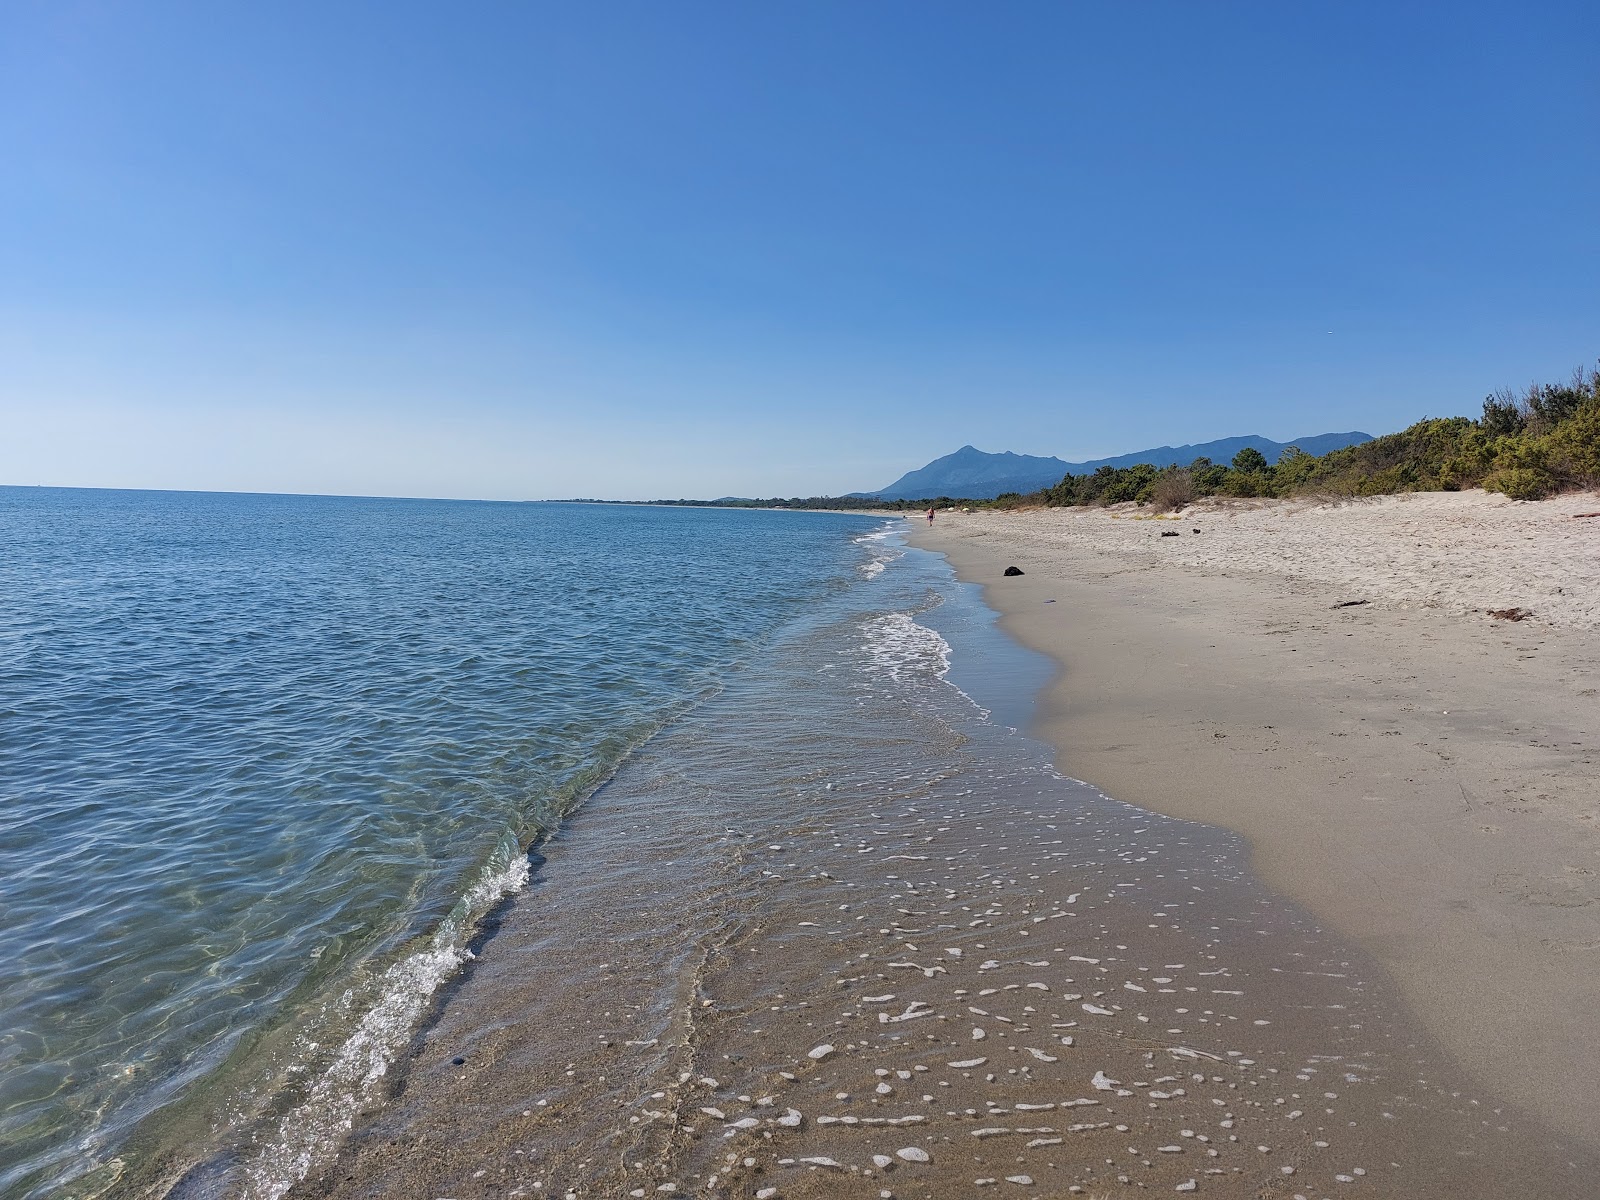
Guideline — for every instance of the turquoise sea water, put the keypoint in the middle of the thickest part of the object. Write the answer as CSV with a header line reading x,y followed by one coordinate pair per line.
x,y
265,759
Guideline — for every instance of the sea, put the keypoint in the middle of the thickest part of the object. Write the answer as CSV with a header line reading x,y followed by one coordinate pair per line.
x,y
267,762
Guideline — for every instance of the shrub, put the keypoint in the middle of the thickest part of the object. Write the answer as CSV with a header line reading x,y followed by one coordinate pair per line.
x,y
1006,501
1554,402
1132,483
1520,483
1064,494
1502,414
1293,468
1249,460
1409,461
1247,483
1173,490
1576,443
1209,477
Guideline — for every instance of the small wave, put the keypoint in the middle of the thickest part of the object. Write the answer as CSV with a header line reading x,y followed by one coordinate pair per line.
x,y
884,547
314,1128
879,535
897,648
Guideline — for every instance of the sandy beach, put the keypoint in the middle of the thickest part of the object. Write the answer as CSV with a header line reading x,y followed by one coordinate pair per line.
x,y
837,933
1327,680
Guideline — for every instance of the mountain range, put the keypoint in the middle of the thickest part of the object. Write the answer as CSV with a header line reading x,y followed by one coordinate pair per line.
x,y
974,474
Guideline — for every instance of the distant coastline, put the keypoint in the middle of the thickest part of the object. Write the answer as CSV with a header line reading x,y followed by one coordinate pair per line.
x,y
853,504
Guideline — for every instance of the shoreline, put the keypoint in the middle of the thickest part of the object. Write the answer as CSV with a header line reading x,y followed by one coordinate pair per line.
x,y
896,953
1440,764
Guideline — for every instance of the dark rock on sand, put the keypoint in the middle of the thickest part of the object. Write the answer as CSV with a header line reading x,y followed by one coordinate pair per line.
x,y
1510,614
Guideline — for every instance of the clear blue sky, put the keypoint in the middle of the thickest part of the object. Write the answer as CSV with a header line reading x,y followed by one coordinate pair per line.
x,y
662,249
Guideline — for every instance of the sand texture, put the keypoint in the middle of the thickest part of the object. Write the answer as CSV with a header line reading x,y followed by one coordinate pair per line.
x,y
1004,984
1422,776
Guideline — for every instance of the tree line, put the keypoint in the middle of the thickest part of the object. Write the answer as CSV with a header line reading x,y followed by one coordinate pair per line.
x,y
1526,445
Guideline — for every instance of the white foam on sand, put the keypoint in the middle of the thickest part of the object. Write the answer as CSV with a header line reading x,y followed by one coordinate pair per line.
x,y
312,1130
899,649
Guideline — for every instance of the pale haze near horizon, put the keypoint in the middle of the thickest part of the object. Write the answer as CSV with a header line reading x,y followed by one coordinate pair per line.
x,y
640,251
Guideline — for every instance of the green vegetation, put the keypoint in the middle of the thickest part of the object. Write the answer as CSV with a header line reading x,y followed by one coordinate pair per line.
x,y
1528,446
1545,440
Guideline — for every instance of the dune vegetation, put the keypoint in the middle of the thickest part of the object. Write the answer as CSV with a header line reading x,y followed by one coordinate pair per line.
x,y
1527,445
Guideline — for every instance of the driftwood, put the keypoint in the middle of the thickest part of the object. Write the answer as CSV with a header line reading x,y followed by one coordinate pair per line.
x,y
1350,603
1577,516
1169,533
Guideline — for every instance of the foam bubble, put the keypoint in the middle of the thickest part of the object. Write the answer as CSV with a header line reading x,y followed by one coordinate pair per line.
x,y
898,648
882,534
884,545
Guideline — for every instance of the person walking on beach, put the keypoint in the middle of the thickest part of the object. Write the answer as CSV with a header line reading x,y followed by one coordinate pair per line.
x,y
930,516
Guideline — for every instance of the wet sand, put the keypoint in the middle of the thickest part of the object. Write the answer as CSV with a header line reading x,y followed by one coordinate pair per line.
x,y
1052,998
910,960
1419,775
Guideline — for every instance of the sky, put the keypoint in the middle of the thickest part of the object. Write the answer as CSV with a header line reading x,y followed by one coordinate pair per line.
x,y
639,250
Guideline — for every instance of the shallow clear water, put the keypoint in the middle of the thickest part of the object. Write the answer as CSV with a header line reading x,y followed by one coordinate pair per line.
x,y
264,760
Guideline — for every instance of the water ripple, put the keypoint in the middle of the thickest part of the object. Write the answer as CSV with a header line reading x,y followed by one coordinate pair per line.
x,y
256,751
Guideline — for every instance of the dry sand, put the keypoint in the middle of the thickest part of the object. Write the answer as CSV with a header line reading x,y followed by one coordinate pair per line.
x,y
1421,776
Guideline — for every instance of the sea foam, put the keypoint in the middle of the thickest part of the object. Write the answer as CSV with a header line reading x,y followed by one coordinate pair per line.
x,y
883,546
312,1130
898,649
